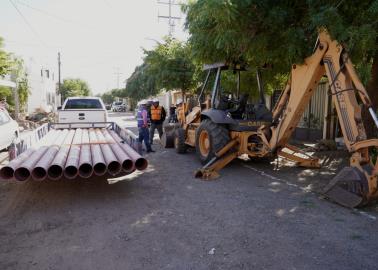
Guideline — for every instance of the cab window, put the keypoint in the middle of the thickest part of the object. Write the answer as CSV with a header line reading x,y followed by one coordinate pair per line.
x,y
83,104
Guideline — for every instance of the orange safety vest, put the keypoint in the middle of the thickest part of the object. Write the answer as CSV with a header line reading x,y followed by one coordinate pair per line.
x,y
155,113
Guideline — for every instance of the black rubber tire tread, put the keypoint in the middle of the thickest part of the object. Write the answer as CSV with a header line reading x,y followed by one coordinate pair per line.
x,y
167,140
179,141
218,135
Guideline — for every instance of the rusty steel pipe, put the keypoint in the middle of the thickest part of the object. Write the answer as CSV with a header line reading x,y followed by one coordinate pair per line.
x,y
39,172
124,159
85,161
23,171
71,167
55,170
7,172
113,165
140,162
98,162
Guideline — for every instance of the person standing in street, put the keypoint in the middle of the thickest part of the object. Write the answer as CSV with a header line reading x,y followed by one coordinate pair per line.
x,y
158,115
142,118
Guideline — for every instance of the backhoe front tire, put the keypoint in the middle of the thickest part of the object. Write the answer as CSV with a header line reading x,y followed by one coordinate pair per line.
x,y
167,139
179,141
210,138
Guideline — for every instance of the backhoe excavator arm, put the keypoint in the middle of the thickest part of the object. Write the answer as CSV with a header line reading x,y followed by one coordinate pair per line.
x,y
330,59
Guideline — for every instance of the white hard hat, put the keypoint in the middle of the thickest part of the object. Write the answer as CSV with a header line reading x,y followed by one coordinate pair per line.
x,y
155,100
178,101
142,102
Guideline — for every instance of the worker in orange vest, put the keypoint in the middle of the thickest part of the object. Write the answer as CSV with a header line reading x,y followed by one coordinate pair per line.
x,y
157,116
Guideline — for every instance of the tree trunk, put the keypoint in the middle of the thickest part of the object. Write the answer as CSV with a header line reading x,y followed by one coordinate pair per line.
x,y
372,89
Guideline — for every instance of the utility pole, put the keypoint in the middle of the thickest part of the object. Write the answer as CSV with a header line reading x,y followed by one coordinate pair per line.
x,y
16,97
171,19
59,83
117,73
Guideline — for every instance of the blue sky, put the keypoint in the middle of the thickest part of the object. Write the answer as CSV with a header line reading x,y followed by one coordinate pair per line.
x,y
95,37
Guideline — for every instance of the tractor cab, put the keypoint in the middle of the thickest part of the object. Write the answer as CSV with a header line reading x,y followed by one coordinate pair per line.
x,y
227,104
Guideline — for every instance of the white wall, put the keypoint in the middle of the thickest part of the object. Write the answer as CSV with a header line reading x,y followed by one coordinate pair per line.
x,y
42,83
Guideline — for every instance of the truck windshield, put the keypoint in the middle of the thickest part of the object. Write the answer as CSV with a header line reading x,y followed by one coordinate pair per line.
x,y
83,104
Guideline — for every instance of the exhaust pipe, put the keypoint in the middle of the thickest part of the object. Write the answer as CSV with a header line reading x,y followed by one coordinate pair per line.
x,y
39,172
85,161
98,162
7,172
125,160
112,163
140,162
71,167
55,170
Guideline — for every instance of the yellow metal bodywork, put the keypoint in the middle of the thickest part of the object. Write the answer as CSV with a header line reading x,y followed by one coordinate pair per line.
x,y
304,78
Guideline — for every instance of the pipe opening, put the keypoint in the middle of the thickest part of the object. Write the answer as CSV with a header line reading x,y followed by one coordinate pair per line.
x,y
6,173
127,165
114,167
39,173
141,164
70,172
22,174
99,168
55,172
85,170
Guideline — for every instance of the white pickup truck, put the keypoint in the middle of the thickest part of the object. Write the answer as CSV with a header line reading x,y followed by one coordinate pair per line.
x,y
80,111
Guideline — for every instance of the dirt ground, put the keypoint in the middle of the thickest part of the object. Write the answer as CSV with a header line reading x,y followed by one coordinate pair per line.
x,y
253,217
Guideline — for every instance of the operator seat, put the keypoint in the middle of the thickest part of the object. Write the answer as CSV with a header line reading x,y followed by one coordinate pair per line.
x,y
238,111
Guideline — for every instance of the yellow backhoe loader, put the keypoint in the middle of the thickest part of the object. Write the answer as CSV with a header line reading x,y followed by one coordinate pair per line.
x,y
222,127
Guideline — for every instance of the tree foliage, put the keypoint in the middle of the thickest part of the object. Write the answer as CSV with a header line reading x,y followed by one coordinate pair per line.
x,y
280,33
5,61
168,66
13,66
110,96
74,87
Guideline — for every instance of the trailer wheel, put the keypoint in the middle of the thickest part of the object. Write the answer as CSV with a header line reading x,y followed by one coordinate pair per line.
x,y
210,138
167,140
179,141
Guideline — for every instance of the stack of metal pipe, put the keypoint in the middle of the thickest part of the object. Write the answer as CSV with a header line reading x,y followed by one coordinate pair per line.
x,y
75,153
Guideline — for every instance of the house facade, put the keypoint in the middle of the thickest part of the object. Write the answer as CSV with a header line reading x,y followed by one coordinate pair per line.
x,y
43,81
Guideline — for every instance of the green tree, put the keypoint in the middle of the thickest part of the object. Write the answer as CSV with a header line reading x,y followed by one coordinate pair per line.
x,y
168,66
110,96
172,65
5,61
280,33
74,87
15,68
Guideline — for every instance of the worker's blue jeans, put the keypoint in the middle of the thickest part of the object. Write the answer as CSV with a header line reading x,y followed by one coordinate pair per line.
x,y
145,136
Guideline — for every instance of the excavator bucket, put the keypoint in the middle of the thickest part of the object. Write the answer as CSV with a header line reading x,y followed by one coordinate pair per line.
x,y
348,188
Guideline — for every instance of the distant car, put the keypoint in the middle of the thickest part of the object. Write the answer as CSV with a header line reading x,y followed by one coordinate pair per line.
x,y
118,106
108,107
9,129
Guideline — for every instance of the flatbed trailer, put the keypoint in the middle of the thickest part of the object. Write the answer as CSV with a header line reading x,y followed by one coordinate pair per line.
x,y
66,151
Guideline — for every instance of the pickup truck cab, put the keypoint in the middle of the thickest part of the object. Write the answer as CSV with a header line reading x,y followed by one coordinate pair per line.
x,y
86,110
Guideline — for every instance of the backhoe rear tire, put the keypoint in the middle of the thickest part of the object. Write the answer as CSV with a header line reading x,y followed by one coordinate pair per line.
x,y
210,138
179,141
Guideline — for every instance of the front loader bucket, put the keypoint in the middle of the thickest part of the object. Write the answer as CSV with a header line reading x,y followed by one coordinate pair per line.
x,y
348,188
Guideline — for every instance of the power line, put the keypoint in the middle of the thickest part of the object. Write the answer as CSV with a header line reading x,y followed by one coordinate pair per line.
x,y
53,15
29,25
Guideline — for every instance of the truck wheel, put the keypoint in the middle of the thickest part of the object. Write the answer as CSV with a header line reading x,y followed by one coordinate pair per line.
x,y
210,138
167,140
179,141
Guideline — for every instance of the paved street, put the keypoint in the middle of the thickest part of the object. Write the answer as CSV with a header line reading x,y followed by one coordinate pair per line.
x,y
252,217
